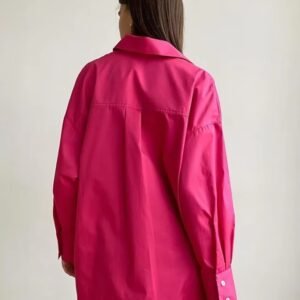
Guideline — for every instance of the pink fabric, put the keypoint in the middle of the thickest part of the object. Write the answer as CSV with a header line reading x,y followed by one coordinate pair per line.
x,y
142,199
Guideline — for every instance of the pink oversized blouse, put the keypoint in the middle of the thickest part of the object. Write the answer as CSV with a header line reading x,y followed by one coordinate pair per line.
x,y
142,202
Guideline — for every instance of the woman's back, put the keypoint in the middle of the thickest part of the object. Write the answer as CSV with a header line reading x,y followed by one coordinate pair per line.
x,y
143,204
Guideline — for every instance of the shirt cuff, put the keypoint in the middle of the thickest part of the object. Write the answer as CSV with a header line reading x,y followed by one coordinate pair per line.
x,y
219,286
67,247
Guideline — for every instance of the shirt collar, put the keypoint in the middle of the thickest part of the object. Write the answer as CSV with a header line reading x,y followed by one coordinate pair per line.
x,y
148,45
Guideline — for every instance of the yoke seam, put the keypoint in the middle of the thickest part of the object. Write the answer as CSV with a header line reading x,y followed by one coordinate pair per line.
x,y
139,108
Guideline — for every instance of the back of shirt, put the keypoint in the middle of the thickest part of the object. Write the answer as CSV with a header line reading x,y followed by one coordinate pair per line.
x,y
142,198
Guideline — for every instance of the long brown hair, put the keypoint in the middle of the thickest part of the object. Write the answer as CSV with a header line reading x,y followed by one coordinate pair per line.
x,y
161,19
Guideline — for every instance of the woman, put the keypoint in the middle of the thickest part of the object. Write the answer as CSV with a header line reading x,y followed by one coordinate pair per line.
x,y
142,204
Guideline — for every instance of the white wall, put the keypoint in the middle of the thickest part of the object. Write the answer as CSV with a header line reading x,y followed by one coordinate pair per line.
x,y
252,49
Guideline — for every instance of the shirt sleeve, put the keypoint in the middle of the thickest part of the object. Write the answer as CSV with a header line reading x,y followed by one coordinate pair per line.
x,y
66,177
204,195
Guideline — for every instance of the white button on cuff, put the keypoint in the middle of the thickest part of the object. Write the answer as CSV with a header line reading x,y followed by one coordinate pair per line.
x,y
227,298
223,283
